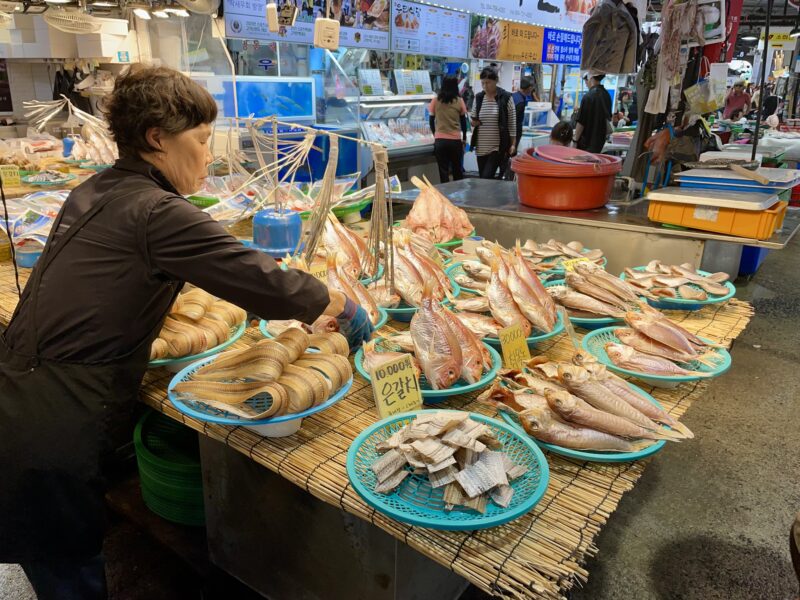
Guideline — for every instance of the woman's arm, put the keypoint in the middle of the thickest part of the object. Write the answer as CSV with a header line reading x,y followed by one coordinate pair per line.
x,y
512,124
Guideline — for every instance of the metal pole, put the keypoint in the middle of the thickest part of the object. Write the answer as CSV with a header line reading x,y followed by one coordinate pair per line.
x,y
764,67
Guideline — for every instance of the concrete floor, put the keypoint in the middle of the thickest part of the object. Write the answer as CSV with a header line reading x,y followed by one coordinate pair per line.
x,y
708,520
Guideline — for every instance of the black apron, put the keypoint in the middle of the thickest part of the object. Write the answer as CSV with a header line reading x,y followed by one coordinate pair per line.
x,y
59,421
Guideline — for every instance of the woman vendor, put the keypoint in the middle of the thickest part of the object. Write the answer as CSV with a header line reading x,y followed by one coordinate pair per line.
x,y
75,352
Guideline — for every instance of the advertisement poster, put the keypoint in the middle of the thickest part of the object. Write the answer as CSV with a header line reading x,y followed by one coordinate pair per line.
x,y
424,29
502,40
561,47
364,23
558,14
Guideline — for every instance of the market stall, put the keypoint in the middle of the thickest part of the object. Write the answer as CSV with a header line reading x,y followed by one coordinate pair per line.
x,y
539,555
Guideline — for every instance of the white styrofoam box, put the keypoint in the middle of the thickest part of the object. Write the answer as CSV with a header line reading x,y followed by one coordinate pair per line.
x,y
99,45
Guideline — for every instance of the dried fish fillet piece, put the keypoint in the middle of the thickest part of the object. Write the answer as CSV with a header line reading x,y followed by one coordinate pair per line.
x,y
433,450
443,477
450,460
501,495
388,464
453,496
391,483
495,466
516,472
479,503
466,457
445,423
476,479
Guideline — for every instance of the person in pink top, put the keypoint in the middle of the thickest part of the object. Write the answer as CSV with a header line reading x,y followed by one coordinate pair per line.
x,y
448,120
737,99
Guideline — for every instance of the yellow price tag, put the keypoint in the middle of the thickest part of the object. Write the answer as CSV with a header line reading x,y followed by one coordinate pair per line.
x,y
515,347
320,271
10,175
396,387
569,265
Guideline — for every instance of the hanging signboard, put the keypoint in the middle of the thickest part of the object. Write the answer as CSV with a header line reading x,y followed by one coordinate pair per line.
x,y
412,82
560,14
502,40
423,29
363,25
561,47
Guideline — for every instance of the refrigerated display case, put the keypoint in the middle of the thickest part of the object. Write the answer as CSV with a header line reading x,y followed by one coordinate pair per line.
x,y
398,122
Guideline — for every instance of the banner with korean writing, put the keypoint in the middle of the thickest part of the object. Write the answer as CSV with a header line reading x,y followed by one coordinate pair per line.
x,y
364,23
560,14
561,47
504,40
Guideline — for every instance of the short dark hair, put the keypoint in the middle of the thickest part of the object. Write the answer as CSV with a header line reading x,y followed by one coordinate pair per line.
x,y
562,132
525,83
146,97
489,73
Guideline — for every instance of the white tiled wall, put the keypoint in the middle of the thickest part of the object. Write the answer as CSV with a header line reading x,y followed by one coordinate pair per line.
x,y
29,81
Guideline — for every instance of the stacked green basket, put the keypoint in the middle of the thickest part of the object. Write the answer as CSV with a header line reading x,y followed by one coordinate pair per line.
x,y
169,469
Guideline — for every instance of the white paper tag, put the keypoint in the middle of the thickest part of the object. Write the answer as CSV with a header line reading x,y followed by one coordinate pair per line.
x,y
706,213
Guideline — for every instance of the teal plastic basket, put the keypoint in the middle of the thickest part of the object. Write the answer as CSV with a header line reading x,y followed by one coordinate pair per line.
x,y
595,456
236,335
533,339
590,324
456,269
594,342
417,503
431,396
680,303
384,318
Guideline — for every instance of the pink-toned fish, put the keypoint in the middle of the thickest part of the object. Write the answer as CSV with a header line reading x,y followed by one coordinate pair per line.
x,y
661,330
626,357
363,297
335,242
524,270
423,268
435,345
407,281
526,299
502,304
475,357
335,279
647,345
481,325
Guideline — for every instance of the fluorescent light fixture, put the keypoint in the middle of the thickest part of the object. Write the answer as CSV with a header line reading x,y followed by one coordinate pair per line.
x,y
178,12
104,4
795,32
142,13
161,14
60,1
749,38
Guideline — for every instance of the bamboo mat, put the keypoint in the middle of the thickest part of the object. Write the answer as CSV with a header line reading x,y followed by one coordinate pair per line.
x,y
540,555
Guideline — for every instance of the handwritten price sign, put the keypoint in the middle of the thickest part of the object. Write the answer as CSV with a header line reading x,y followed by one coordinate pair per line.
x,y
515,347
320,271
396,387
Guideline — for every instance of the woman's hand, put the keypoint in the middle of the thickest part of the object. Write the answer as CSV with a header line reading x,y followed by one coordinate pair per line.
x,y
354,324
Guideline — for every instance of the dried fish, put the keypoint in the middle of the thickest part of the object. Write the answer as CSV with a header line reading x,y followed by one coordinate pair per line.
x,y
502,303
690,292
465,281
388,464
628,358
435,344
392,482
481,325
502,495
442,477
477,270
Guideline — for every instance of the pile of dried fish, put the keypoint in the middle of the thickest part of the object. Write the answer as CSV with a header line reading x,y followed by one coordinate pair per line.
x,y
582,406
591,293
48,176
281,370
453,451
435,217
412,269
655,345
513,295
550,254
677,281
196,322
446,350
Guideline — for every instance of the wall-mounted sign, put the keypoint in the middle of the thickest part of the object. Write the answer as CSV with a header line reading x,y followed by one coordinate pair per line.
x,y
561,47
364,24
424,29
412,82
561,14
504,40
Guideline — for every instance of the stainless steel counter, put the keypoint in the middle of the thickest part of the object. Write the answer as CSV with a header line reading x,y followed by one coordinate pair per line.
x,y
625,233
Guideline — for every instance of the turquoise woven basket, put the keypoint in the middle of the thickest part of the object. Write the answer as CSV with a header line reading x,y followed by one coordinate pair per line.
x,y
594,342
680,303
431,396
417,503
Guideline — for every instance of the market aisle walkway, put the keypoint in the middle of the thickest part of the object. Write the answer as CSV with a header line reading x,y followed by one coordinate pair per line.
x,y
710,518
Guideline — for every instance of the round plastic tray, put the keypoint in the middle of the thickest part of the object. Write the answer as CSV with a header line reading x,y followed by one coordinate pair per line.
x,y
534,339
262,326
96,168
432,396
594,456
66,178
590,324
417,503
376,277
684,304
176,364
594,342
197,409
404,312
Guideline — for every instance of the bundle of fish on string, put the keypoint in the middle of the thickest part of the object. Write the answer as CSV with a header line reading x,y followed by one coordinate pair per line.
x,y
272,377
452,452
541,258
581,405
196,322
445,349
676,281
434,217
513,295
655,345
590,292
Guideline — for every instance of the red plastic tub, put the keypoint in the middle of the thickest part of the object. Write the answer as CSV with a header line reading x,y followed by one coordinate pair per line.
x,y
559,186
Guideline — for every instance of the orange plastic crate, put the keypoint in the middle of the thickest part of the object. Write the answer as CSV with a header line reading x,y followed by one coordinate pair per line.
x,y
758,225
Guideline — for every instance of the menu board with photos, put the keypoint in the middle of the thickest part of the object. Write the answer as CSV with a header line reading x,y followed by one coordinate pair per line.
x,y
412,82
422,29
364,24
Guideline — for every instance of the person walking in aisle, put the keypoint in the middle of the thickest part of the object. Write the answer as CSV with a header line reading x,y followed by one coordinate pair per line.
x,y
525,94
448,119
593,124
494,124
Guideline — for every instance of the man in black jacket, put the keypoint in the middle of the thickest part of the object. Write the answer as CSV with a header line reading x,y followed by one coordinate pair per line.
x,y
592,125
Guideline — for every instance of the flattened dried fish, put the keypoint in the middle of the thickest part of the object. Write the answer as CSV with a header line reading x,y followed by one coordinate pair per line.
x,y
388,464
442,477
391,482
502,495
